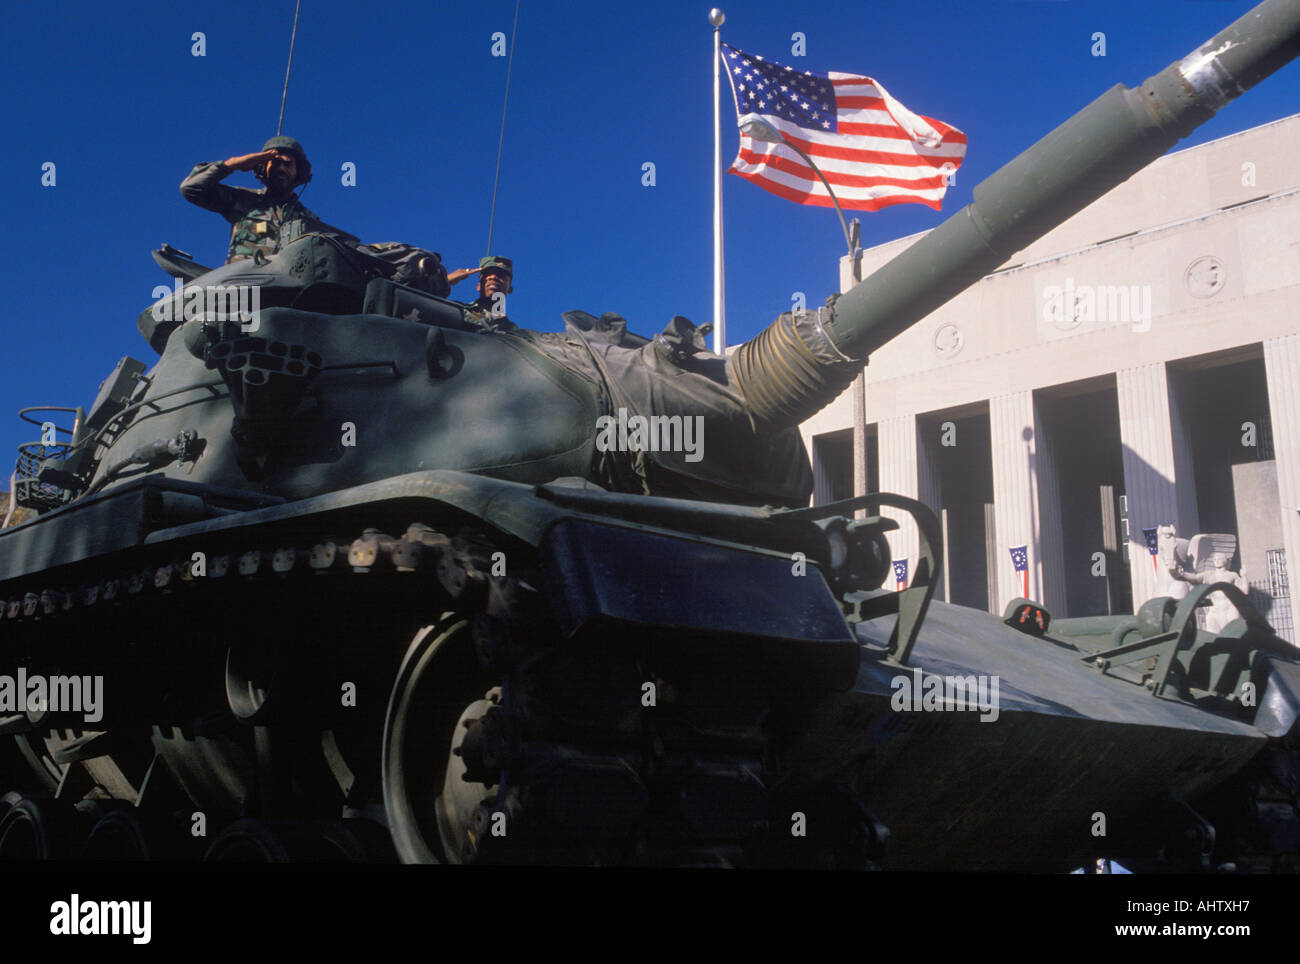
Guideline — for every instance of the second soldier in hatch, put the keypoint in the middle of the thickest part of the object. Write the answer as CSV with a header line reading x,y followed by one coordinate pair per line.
x,y
495,281
264,221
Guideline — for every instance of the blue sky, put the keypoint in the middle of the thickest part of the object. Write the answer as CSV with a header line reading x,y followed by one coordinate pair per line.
x,y
410,93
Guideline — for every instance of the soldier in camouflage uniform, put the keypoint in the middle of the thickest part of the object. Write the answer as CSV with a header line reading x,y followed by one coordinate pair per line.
x,y
256,217
261,220
495,281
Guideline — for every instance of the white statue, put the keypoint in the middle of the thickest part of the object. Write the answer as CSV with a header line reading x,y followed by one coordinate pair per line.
x,y
1222,611
1201,560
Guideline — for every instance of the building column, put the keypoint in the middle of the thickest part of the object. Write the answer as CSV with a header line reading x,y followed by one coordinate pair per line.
x,y
1185,491
1282,369
1015,494
896,441
821,478
1052,552
860,436
927,491
1150,467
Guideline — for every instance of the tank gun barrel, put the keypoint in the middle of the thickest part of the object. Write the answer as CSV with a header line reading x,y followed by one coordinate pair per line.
x,y
795,367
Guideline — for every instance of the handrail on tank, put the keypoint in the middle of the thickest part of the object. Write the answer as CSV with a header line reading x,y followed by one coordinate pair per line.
x,y
915,599
22,413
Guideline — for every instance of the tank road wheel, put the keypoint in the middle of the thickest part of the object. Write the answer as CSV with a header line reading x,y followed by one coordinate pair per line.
x,y
125,833
41,764
119,835
38,829
16,770
439,676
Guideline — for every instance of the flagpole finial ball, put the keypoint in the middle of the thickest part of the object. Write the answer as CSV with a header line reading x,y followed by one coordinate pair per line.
x,y
716,17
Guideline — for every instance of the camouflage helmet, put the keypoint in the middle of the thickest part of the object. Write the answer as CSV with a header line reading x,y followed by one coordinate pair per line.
x,y
291,146
503,266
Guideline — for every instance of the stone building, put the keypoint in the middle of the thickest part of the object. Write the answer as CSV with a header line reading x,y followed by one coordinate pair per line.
x,y
1138,366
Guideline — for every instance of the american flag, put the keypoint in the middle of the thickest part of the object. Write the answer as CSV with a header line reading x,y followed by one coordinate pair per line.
x,y
1020,559
1153,546
873,150
900,574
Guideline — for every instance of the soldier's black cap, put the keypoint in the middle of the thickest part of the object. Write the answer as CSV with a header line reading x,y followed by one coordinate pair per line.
x,y
282,143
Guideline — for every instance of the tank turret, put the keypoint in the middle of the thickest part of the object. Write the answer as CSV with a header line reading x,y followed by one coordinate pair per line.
x,y
268,400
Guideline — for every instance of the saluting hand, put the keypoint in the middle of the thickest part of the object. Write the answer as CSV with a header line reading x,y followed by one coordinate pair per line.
x,y
249,162
460,274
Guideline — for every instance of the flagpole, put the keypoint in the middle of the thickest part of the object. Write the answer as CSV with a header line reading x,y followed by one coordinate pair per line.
x,y
716,17
859,385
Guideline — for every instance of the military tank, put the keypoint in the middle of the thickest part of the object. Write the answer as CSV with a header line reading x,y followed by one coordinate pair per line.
x,y
346,574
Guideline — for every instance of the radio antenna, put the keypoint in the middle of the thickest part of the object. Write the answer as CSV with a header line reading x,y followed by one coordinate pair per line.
x,y
288,67
501,143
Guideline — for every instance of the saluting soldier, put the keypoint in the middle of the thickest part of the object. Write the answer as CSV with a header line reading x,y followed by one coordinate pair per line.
x,y
259,219
495,281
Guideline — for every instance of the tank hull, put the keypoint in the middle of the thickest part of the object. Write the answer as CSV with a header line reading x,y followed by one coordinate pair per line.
x,y
1008,777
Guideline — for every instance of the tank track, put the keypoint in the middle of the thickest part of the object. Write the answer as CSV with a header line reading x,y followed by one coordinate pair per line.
x,y
605,755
